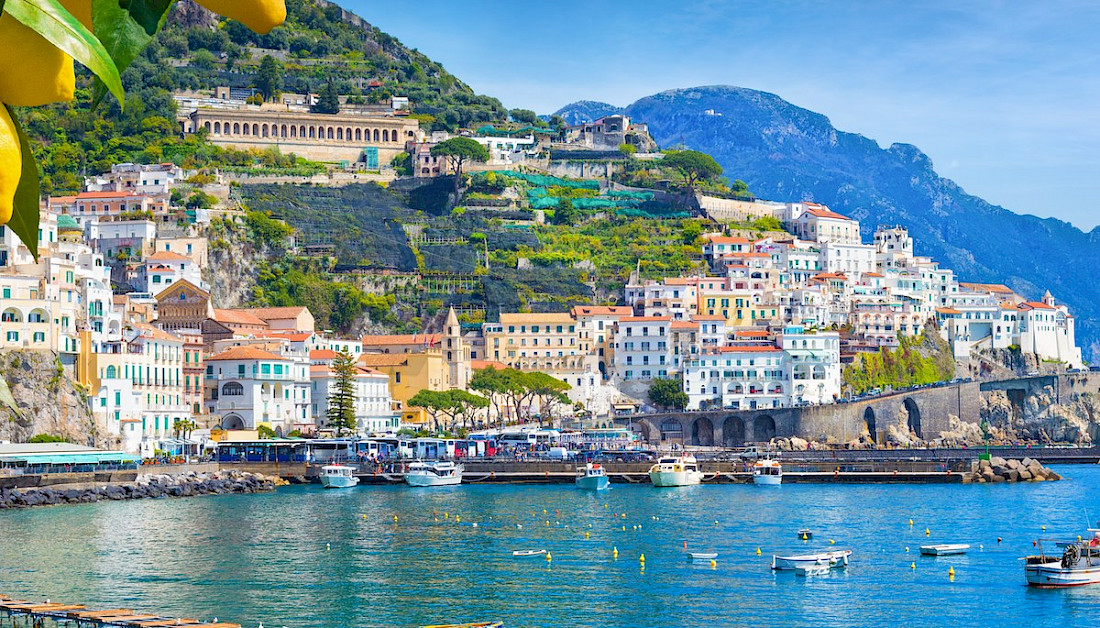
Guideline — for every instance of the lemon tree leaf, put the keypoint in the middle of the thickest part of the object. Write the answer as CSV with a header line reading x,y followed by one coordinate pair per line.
x,y
50,20
24,217
125,27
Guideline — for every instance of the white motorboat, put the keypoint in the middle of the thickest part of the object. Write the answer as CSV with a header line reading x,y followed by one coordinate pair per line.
x,y
675,471
702,555
338,476
833,558
768,472
1079,565
592,477
944,549
528,552
433,474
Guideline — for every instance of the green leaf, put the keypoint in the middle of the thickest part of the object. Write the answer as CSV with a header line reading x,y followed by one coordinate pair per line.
x,y
50,20
24,218
125,27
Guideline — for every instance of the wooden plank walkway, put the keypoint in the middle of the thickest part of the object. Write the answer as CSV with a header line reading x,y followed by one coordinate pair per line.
x,y
79,616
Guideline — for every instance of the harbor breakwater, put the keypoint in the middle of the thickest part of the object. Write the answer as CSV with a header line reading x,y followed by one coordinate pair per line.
x,y
998,469
145,487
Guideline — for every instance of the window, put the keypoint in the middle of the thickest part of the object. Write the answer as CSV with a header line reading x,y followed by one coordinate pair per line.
x,y
13,336
232,389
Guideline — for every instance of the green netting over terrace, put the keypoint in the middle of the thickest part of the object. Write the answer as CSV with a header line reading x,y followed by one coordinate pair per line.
x,y
545,181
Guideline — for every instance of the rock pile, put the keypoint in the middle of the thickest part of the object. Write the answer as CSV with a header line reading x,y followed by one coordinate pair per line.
x,y
998,469
146,487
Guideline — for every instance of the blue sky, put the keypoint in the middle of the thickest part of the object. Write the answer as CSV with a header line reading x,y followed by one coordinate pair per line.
x,y
1003,96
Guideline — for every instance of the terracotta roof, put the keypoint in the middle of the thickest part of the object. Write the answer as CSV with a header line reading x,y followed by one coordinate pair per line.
x,y
840,276
324,370
88,195
873,275
244,353
947,310
751,333
149,331
537,318
401,339
707,317
1035,305
749,349
987,287
681,281
383,359
602,310
484,364
238,317
280,334
271,313
685,325
323,354
167,256
824,212
728,240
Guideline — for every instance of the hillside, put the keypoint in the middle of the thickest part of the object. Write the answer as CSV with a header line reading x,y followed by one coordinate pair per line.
x,y
319,43
585,111
787,153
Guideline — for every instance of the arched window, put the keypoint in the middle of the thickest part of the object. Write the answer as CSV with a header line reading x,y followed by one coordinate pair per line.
x,y
217,127
247,130
347,134
302,131
376,135
293,131
37,315
255,129
312,132
340,133
232,389
283,130
331,133
11,315
263,130
358,135
111,372
206,125
236,128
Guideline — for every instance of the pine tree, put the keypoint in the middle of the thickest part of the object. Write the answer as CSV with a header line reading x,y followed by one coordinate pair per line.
x,y
328,100
341,399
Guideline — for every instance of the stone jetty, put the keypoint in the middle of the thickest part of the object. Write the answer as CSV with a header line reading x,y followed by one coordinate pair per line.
x,y
997,469
146,487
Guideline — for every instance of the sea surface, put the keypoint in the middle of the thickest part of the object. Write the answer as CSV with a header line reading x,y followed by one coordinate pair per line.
x,y
306,557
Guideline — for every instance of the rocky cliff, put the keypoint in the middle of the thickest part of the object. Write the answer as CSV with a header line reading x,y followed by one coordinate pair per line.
x,y
49,401
1038,418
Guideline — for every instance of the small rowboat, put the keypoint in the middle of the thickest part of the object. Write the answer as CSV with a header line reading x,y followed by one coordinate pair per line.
x,y
834,558
816,569
530,552
480,624
805,534
945,549
702,555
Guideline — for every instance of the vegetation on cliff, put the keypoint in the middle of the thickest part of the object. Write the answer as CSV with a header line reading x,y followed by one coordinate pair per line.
x,y
925,359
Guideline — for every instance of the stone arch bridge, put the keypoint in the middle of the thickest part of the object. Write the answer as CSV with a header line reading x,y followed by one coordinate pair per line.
x,y
926,414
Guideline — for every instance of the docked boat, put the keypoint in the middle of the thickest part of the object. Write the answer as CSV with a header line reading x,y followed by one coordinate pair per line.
x,y
1079,565
433,474
675,471
768,472
592,477
338,476
945,549
833,558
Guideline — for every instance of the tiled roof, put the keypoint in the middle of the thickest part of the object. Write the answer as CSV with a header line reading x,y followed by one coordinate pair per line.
x,y
947,310
728,240
996,288
685,325
238,317
270,313
1035,305
244,353
167,256
707,317
520,318
646,319
401,339
323,354
824,212
484,364
749,349
383,359
602,310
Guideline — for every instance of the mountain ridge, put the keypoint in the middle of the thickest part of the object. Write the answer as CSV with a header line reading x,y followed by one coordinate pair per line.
x,y
789,153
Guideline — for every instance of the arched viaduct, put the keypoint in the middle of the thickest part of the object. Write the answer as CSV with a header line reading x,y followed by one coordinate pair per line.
x,y
926,414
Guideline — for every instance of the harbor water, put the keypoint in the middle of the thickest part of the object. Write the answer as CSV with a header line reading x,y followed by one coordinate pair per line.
x,y
311,558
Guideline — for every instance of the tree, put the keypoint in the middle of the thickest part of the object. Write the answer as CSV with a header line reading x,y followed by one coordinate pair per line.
x,y
693,165
491,383
265,432
566,214
328,101
627,150
184,427
549,390
668,393
525,116
341,398
269,77
459,150
691,232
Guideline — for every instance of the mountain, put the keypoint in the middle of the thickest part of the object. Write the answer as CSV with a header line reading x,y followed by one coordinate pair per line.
x,y
787,153
585,111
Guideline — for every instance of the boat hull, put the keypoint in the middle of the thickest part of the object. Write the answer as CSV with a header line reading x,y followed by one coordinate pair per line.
x,y
837,558
943,550
339,481
767,480
422,480
665,479
593,483
1053,576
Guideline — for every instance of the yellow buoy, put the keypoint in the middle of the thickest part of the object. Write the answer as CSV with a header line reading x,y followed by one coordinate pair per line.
x,y
950,571
805,537
927,532
549,557
548,522
606,506
1044,528
446,516
910,522
713,563
641,558
544,512
395,518
614,552
832,542
458,519
758,551
586,535
912,565
624,528
364,516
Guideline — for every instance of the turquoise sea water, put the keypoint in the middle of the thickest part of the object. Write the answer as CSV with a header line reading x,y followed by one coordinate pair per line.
x,y
305,557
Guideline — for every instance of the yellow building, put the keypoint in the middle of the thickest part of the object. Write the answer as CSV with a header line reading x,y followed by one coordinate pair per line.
x,y
543,342
410,373
739,309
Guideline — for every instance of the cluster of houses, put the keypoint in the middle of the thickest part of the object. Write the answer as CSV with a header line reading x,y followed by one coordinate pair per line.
x,y
770,324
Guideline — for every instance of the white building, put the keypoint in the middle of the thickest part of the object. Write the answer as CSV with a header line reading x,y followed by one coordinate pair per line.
x,y
163,268
249,387
374,412
643,348
820,224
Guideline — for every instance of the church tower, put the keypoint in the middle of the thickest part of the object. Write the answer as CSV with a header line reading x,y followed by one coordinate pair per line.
x,y
455,352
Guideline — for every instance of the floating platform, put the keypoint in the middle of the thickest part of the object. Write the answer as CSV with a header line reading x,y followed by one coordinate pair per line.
x,y
80,616
944,549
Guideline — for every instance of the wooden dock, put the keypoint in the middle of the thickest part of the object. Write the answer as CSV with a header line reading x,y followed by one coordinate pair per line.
x,y
26,614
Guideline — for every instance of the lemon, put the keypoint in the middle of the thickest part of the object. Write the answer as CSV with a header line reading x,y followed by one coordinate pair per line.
x,y
11,164
35,71
259,15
